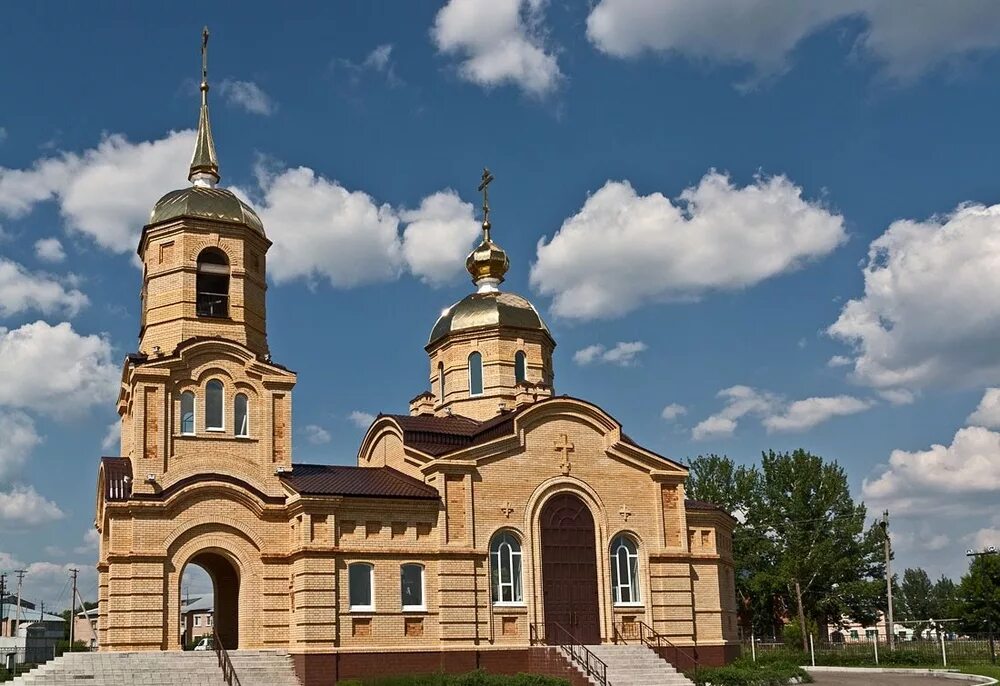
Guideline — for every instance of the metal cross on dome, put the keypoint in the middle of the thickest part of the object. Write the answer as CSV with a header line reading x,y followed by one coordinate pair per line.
x,y
487,178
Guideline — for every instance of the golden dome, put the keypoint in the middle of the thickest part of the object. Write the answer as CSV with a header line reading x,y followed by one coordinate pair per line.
x,y
490,309
205,203
488,260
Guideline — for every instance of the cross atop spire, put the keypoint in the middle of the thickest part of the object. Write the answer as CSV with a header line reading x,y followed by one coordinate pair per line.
x,y
204,163
485,190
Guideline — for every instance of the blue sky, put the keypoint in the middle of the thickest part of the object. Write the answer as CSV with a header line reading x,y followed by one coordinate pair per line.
x,y
778,222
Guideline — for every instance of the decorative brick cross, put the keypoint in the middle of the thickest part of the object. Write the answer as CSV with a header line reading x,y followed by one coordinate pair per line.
x,y
625,512
507,509
566,447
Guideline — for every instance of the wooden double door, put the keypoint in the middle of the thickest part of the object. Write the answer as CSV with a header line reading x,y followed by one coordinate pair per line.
x,y
569,570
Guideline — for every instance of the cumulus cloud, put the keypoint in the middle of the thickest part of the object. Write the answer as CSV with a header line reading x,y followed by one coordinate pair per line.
x,y
673,411
988,412
111,443
438,236
316,435
22,290
78,369
927,316
106,192
905,40
775,413
23,506
49,250
19,439
622,354
91,540
499,42
715,237
360,419
45,581
839,361
346,238
247,95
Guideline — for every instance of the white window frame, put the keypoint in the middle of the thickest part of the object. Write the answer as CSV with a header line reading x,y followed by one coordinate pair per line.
x,y
496,561
246,418
482,376
194,414
371,587
422,607
632,565
197,620
214,429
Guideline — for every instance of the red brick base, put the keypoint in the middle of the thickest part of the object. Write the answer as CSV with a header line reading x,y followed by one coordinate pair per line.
x,y
326,669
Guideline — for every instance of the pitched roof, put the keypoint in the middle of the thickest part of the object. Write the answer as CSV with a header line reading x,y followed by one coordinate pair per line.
x,y
705,506
356,482
439,435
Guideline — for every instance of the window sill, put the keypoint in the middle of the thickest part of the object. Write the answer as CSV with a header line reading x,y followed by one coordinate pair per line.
x,y
215,436
629,605
363,609
220,430
510,605
414,608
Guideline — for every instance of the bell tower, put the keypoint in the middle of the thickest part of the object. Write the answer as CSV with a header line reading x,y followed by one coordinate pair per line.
x,y
203,254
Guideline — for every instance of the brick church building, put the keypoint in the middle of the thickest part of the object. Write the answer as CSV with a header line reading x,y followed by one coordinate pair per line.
x,y
491,516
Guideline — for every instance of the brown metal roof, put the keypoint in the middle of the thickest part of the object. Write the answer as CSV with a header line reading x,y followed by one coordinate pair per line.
x,y
439,435
705,506
117,478
357,482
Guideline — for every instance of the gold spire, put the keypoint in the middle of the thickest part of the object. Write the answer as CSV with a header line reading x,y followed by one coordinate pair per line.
x,y
488,262
204,163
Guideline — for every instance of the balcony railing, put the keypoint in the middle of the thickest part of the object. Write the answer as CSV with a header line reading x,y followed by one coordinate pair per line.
x,y
213,305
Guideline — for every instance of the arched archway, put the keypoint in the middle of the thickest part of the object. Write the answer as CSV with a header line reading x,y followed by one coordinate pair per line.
x,y
569,569
225,576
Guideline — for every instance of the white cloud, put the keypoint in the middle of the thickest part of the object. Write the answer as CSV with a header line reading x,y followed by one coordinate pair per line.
x,y
316,434
716,237
438,237
904,39
106,192
23,506
91,540
47,581
22,290
500,42
49,250
988,412
775,413
360,419
838,361
112,438
928,316
805,414
19,439
379,59
673,411
78,369
622,354
898,396
248,95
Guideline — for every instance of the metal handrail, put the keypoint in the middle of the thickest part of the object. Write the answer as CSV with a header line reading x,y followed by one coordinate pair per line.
x,y
638,629
579,653
228,672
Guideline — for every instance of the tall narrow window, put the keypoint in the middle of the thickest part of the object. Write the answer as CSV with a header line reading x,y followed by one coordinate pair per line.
x,y
625,570
241,412
187,413
520,367
411,587
214,406
475,374
505,569
440,382
361,583
213,283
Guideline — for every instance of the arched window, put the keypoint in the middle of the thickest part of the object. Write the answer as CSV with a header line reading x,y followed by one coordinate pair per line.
x,y
411,587
213,283
520,367
361,587
475,374
440,382
505,568
214,409
187,413
241,415
625,570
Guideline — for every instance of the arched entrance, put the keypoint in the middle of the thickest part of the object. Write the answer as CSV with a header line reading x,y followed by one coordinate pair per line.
x,y
569,569
226,593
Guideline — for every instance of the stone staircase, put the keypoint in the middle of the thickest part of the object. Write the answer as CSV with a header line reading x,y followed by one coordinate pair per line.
x,y
636,665
167,668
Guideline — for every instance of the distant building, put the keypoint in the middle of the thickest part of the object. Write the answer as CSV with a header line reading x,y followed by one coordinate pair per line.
x,y
85,628
32,634
849,631
196,617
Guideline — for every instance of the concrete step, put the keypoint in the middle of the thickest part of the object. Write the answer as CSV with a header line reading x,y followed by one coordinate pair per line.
x,y
631,665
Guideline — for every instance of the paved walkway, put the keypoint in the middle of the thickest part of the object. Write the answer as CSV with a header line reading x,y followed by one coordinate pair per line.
x,y
874,679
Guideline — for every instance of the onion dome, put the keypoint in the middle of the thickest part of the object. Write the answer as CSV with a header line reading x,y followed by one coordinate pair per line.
x,y
491,309
202,198
488,262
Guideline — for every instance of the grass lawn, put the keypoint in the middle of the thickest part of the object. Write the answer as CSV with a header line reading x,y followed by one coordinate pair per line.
x,y
983,670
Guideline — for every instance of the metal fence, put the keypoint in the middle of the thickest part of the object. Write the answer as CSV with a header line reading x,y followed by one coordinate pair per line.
x,y
936,651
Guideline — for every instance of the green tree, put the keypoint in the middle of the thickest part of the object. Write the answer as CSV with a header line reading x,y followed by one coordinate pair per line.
x,y
946,603
916,597
979,592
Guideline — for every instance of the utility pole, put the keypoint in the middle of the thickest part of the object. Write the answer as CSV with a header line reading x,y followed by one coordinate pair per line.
x,y
889,624
3,602
17,611
72,609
